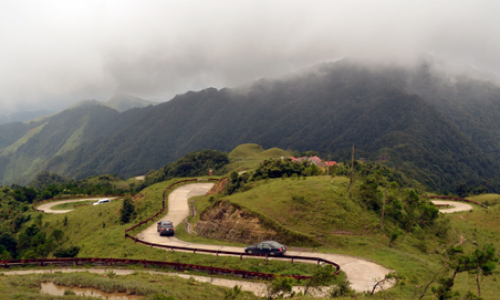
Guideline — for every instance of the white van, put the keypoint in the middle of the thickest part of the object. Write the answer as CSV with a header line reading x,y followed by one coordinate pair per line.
x,y
102,201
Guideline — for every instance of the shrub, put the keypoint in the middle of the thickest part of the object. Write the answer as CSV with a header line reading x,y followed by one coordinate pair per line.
x,y
67,252
127,210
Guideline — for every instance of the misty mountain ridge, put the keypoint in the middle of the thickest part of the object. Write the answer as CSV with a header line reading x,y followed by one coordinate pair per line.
x,y
23,116
119,102
412,119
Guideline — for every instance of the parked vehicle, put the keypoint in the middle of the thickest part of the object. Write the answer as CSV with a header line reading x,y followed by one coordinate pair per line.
x,y
102,201
266,248
165,228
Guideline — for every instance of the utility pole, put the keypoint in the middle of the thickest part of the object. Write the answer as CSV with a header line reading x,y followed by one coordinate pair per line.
x,y
328,166
383,210
352,172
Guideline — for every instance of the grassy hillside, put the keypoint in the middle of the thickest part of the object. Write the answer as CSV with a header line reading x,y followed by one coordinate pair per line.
x,y
98,232
248,156
346,226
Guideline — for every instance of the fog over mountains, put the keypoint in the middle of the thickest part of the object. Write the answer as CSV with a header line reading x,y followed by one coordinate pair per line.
x,y
440,129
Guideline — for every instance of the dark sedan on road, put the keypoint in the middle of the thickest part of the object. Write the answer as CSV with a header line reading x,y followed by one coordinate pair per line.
x,y
165,228
267,248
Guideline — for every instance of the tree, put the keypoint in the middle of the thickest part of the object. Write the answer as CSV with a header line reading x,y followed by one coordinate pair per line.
x,y
461,189
482,262
9,243
127,210
4,254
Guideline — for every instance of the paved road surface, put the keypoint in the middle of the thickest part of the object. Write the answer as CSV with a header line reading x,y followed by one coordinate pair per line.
x,y
47,207
457,206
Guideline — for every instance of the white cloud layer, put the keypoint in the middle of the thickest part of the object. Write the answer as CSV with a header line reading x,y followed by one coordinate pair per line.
x,y
54,53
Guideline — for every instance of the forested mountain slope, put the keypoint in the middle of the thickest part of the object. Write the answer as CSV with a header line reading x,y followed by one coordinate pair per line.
x,y
472,105
328,109
392,115
39,141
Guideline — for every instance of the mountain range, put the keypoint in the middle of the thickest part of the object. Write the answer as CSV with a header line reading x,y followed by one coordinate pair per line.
x,y
437,128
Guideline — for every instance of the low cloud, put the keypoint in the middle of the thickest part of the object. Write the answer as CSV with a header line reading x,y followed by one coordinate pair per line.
x,y
55,53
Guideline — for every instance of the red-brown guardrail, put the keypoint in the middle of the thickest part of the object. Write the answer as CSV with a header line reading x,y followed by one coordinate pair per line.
x,y
121,262
34,205
454,199
217,252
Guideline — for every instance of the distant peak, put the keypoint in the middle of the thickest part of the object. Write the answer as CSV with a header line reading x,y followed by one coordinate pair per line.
x,y
122,102
84,103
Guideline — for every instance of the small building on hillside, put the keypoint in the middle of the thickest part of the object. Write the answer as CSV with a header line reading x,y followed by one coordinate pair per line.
x,y
315,160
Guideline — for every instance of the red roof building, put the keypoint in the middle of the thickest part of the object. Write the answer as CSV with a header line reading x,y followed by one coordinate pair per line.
x,y
315,160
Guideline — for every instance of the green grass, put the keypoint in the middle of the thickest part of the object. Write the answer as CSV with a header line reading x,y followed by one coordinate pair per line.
x,y
488,199
248,156
414,256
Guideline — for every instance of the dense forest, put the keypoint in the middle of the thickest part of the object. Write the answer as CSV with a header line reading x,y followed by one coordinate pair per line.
x,y
416,121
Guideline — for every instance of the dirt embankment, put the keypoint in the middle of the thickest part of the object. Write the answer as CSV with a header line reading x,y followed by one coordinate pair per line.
x,y
227,222
230,222
219,187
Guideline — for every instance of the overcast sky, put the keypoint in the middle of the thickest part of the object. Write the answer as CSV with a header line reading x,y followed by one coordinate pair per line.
x,y
55,53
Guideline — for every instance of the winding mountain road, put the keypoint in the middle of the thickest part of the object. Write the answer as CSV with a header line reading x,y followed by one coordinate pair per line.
x,y
362,273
